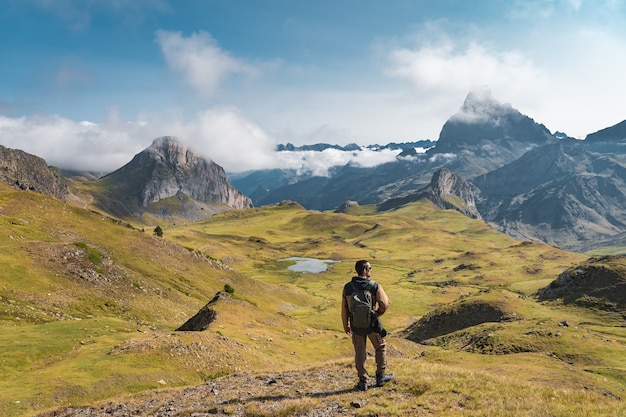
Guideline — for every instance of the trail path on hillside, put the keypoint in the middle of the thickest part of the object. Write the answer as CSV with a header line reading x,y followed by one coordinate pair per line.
x,y
313,393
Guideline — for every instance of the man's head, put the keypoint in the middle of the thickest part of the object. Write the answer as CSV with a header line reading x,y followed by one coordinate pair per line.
x,y
363,268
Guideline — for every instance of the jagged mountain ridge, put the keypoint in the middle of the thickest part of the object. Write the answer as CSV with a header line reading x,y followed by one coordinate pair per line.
x,y
446,190
486,134
615,134
29,172
526,182
168,169
491,121
567,195
482,136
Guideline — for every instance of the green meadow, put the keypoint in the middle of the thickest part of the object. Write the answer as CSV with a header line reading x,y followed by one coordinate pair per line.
x,y
90,306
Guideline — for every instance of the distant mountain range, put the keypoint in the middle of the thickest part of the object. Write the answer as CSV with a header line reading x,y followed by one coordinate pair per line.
x,y
490,162
524,180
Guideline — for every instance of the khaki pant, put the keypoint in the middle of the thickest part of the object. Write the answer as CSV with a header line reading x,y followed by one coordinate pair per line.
x,y
360,352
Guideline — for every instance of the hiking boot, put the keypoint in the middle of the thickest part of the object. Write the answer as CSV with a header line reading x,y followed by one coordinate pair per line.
x,y
362,384
382,379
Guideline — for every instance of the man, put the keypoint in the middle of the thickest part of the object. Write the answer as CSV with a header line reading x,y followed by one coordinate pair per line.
x,y
380,304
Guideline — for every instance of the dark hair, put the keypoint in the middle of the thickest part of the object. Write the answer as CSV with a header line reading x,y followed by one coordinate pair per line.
x,y
359,267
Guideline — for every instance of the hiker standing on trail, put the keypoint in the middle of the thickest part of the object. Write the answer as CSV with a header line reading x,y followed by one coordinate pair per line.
x,y
362,301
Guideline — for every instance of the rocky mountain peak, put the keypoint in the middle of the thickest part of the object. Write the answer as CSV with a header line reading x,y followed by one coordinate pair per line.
x,y
494,132
167,168
171,150
29,172
446,190
480,105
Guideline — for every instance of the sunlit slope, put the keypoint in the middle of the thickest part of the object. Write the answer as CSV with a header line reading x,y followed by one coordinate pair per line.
x,y
432,263
416,252
88,307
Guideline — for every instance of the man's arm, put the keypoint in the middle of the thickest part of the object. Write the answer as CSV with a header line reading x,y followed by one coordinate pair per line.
x,y
344,314
382,301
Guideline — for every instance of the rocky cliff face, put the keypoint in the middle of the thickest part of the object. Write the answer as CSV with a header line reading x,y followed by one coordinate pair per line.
x,y
29,172
446,190
444,185
169,169
561,194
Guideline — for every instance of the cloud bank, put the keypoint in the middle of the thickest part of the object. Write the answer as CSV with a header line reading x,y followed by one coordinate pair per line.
x,y
220,134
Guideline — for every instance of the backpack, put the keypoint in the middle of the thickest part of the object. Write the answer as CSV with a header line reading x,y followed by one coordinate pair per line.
x,y
362,313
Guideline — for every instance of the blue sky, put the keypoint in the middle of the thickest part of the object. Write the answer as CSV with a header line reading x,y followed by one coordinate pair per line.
x,y
87,84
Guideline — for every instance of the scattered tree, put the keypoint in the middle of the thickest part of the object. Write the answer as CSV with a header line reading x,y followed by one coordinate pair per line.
x,y
158,231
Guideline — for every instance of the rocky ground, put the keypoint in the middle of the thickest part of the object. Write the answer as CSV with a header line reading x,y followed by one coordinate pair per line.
x,y
313,393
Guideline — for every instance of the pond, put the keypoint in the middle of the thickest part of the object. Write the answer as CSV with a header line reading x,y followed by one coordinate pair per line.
x,y
310,265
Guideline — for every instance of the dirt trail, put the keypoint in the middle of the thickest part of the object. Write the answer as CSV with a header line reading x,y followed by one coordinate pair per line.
x,y
313,393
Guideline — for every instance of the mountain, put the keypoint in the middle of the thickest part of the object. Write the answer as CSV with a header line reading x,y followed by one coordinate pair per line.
x,y
168,180
523,180
446,190
567,194
264,186
482,136
490,162
29,172
615,134
486,134
319,147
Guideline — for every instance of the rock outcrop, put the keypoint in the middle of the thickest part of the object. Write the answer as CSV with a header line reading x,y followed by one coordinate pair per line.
x,y
29,172
168,169
598,283
446,190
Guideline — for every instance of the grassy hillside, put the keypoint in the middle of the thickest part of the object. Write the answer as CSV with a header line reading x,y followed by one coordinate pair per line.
x,y
89,308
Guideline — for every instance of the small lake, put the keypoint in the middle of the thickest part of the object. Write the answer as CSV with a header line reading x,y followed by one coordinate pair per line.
x,y
310,265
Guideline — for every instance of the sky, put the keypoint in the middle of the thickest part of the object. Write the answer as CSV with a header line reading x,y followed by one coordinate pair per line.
x,y
87,84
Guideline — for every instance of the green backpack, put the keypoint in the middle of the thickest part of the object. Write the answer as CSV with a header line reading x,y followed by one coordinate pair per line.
x,y
361,316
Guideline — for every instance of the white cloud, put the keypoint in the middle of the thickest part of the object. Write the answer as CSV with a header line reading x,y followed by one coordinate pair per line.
x,y
560,78
480,106
223,135
319,163
67,144
200,60
228,138
449,67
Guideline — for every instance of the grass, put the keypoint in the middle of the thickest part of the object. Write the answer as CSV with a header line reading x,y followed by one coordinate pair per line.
x,y
89,307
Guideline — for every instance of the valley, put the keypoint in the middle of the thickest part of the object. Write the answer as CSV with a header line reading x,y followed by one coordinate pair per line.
x,y
91,303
